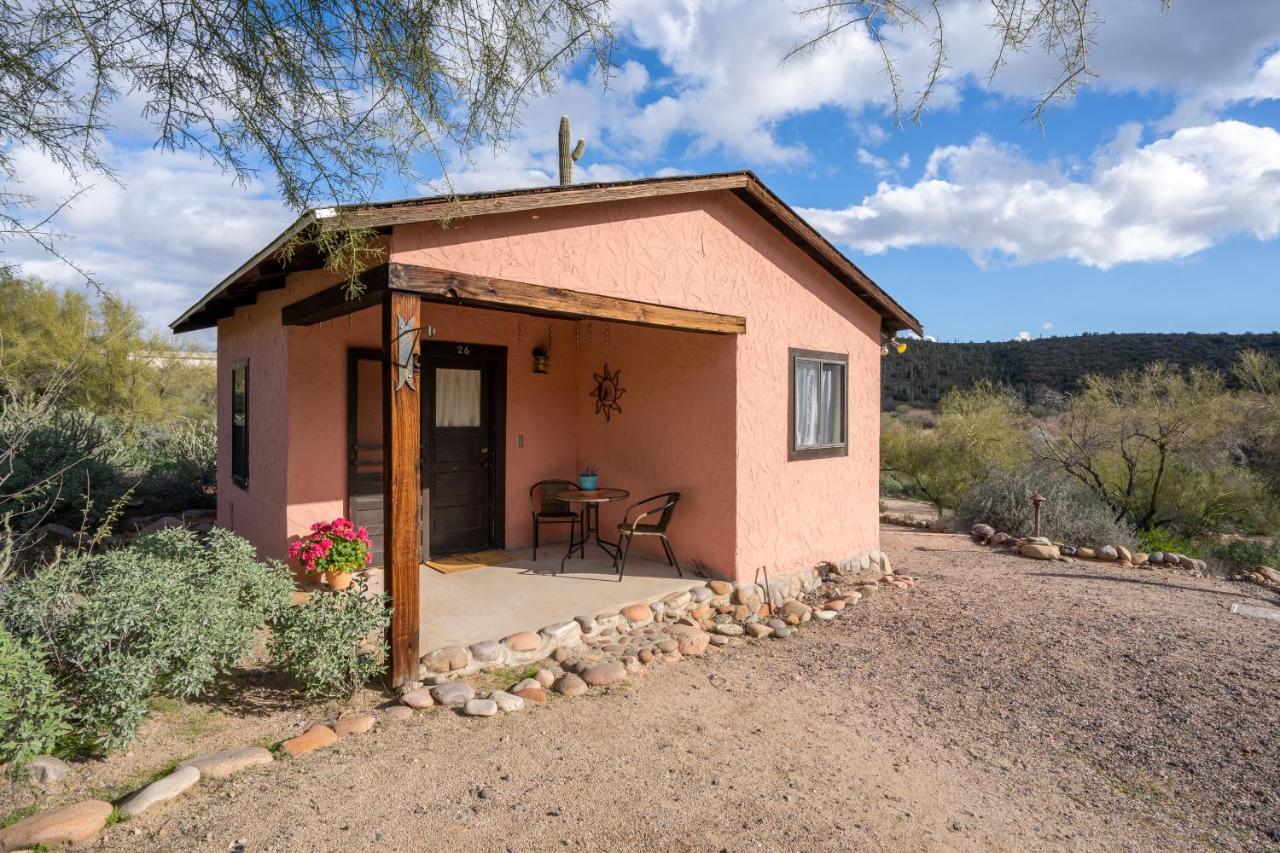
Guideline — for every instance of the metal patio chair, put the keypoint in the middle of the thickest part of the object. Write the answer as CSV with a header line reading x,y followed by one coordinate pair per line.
x,y
663,506
546,508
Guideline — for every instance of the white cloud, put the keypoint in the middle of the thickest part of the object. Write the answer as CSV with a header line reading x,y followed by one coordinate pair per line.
x,y
1166,200
1047,325
726,86
1024,335
175,227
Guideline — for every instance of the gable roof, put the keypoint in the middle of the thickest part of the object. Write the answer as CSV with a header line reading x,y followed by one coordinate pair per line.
x,y
267,269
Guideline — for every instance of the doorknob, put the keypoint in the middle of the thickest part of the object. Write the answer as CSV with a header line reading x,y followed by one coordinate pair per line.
x,y
484,450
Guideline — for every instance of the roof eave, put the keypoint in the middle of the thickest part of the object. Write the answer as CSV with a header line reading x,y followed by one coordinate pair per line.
x,y
302,222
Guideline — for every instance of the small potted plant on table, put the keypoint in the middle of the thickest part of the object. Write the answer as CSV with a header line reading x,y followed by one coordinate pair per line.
x,y
335,548
589,479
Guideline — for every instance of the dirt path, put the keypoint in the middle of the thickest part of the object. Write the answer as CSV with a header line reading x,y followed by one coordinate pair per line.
x,y
1003,704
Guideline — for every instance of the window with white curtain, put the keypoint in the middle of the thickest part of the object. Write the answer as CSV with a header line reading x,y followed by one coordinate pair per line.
x,y
819,384
457,397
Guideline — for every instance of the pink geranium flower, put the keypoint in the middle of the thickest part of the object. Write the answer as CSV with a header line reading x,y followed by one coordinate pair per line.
x,y
333,546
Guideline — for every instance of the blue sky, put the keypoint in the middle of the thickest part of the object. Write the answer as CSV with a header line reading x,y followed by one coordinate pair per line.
x,y
1149,203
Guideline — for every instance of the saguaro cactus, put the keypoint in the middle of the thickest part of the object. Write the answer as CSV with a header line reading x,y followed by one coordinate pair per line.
x,y
566,156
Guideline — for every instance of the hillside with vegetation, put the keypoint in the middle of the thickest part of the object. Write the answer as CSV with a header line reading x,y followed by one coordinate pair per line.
x,y
922,375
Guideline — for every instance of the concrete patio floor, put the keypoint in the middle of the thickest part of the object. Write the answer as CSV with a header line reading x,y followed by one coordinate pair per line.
x,y
493,602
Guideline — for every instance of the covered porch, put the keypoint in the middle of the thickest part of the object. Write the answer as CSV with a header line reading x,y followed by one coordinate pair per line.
x,y
450,422
524,594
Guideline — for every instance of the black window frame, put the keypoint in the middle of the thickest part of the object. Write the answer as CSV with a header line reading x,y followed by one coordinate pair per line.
x,y
240,432
794,452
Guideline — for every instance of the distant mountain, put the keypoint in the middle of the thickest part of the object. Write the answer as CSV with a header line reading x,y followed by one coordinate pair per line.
x,y
927,370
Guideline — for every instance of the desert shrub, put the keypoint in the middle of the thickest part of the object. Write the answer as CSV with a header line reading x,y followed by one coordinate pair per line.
x,y
166,615
977,430
58,464
1246,553
181,464
32,717
1071,513
334,642
1164,539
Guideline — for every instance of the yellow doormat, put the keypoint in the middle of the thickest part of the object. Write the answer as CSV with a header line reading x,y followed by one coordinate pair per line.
x,y
463,562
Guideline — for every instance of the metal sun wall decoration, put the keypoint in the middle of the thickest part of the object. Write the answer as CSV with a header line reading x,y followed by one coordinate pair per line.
x,y
607,392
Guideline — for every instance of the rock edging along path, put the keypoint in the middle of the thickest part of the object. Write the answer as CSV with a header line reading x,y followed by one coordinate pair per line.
x,y
574,657
1041,548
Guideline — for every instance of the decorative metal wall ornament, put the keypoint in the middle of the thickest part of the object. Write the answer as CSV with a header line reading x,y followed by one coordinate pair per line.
x,y
607,392
406,339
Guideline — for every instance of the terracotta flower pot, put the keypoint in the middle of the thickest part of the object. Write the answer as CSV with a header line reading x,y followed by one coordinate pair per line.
x,y
338,581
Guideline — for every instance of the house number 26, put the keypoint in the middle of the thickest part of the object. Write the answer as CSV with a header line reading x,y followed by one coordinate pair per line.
x,y
464,350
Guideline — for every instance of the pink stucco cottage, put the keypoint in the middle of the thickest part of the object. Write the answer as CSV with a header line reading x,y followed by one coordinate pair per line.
x,y
747,346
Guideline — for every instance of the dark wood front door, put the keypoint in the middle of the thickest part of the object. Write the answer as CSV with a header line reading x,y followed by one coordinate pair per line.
x,y
463,425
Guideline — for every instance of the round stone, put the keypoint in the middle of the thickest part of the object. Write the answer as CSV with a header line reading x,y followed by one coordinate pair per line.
x,y
453,693
783,632
570,685
532,694
480,707
601,674
525,641
420,698
728,629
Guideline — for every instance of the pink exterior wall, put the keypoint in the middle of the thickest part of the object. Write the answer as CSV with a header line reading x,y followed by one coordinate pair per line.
x,y
675,433
712,252
258,512
705,415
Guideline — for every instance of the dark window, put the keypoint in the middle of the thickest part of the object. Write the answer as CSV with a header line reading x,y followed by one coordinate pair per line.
x,y
818,407
240,423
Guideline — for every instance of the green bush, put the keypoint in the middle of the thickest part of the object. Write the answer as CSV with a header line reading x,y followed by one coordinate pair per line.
x,y
1164,539
165,615
1246,553
58,464
32,717
334,642
1071,513
180,464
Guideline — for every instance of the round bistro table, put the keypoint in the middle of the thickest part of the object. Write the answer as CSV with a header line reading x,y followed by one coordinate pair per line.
x,y
590,503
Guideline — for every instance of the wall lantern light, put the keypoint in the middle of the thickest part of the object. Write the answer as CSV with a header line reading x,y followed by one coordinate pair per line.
x,y
541,360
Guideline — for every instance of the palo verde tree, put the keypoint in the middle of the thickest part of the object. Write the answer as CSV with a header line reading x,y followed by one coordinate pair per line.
x,y
1065,30
1159,445
328,97
977,431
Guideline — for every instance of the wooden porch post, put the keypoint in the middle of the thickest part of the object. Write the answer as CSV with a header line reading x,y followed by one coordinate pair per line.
x,y
401,432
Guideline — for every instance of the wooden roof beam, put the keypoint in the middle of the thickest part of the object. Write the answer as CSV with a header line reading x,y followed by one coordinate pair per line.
x,y
502,294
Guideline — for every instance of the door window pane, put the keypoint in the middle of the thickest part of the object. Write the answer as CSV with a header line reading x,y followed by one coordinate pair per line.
x,y
457,397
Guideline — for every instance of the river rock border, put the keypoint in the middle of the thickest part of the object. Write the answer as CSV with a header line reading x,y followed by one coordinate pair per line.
x,y
716,602
584,653
1040,548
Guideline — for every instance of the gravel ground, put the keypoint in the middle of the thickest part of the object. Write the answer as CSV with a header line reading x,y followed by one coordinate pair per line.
x,y
1002,704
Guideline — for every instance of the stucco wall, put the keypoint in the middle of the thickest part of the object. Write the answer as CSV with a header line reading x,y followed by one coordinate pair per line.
x,y
745,504
540,407
257,512
713,253
675,433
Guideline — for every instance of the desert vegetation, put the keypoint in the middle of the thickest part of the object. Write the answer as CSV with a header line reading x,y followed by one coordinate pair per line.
x,y
1157,456
102,424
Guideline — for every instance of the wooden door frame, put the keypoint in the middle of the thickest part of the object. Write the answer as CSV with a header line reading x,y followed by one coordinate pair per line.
x,y
354,356
495,356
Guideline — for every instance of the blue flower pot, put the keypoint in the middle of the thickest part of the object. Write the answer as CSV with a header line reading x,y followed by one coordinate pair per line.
x,y
587,482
